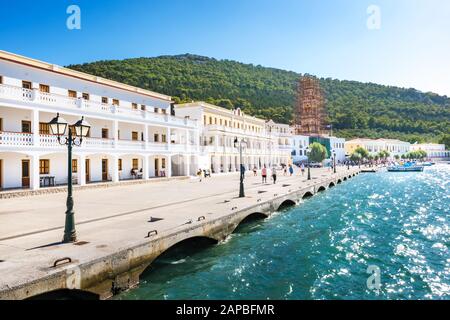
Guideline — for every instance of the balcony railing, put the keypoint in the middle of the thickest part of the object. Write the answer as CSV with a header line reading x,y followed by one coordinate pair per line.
x,y
20,139
35,96
131,144
16,138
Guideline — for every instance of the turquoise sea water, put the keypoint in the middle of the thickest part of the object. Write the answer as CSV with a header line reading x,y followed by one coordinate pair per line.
x,y
321,249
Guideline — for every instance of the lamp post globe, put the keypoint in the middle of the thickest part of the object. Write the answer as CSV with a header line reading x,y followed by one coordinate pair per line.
x,y
58,125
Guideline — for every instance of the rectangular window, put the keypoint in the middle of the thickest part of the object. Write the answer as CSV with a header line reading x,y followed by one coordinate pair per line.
x,y
44,166
44,88
104,100
116,102
44,128
143,107
120,164
164,111
156,137
105,133
135,164
26,126
72,94
118,134
204,120
163,163
134,135
134,106
156,110
74,166
1,124
85,96
163,138
26,85
1,79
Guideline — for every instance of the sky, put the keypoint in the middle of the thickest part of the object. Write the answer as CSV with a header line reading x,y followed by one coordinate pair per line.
x,y
403,43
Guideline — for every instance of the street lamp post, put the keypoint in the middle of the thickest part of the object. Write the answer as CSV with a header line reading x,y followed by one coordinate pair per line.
x,y
59,127
240,143
334,161
309,165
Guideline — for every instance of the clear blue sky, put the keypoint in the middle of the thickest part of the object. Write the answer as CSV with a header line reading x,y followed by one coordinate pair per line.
x,y
325,38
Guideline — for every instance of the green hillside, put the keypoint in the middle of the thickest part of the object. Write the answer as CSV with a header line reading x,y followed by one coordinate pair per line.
x,y
354,108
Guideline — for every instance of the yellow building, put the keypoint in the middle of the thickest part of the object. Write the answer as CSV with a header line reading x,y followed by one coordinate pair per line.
x,y
374,146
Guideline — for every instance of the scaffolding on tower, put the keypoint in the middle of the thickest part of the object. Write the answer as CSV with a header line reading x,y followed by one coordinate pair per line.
x,y
310,113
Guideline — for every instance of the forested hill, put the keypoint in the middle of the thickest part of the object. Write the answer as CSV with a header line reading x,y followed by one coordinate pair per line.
x,y
354,108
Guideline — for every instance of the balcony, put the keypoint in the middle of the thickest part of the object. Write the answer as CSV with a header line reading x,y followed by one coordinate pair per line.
x,y
34,96
16,139
26,140
237,131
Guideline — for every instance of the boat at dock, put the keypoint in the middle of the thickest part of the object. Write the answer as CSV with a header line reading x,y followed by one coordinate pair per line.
x,y
407,167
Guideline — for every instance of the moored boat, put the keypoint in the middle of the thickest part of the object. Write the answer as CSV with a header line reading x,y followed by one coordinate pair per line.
x,y
406,167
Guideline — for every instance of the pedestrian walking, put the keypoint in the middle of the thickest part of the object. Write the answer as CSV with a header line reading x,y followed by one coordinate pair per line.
x,y
200,175
255,171
274,175
303,169
291,170
264,174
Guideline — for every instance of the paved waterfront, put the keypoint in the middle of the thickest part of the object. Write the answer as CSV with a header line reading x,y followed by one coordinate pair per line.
x,y
116,218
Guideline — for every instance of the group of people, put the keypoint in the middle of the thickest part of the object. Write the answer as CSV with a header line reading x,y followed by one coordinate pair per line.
x,y
265,172
272,172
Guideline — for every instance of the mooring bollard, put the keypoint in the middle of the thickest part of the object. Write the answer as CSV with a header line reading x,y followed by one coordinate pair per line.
x,y
201,218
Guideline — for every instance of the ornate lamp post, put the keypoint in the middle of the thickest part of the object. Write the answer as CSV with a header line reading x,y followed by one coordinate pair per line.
x,y
309,166
240,143
59,127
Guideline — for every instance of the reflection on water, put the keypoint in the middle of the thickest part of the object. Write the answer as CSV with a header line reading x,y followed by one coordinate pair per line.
x,y
322,248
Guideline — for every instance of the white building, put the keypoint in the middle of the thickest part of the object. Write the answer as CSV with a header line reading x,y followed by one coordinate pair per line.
x,y
434,151
299,145
337,145
393,146
332,144
133,134
267,144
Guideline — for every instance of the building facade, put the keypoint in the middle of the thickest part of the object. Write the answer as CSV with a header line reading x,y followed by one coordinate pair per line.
x,y
132,135
394,147
266,143
434,151
333,145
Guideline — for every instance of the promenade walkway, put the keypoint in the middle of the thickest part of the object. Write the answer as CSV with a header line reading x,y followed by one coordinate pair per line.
x,y
109,220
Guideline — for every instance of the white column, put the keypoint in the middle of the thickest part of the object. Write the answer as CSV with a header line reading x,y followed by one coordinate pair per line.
x,y
168,166
186,134
34,172
35,124
145,169
146,136
82,170
116,133
115,169
169,137
187,165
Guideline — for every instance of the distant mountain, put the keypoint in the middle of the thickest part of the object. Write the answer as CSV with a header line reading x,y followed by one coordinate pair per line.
x,y
354,108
